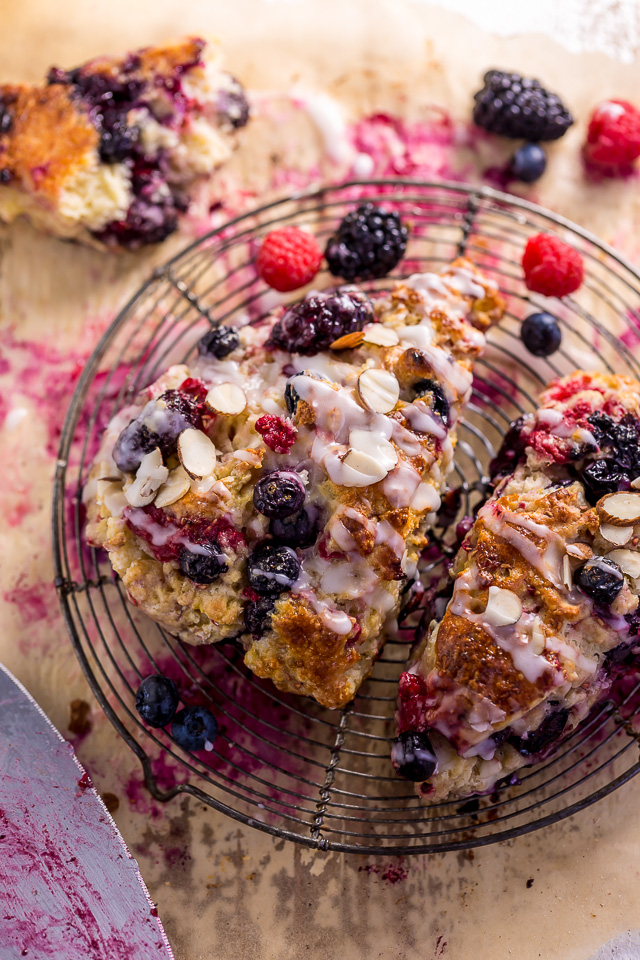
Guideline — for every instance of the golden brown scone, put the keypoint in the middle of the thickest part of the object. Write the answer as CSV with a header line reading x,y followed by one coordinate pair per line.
x,y
108,153
545,594
361,436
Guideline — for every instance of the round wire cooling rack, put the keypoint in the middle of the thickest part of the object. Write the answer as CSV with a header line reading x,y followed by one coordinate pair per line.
x,y
282,763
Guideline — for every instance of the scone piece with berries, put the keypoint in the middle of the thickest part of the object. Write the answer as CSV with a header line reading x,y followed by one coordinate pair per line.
x,y
109,153
544,596
278,488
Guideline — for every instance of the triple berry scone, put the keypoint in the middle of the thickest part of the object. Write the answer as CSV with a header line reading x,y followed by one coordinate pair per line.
x,y
545,596
279,486
108,153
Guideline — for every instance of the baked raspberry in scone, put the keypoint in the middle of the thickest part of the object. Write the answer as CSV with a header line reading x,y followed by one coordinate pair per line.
x,y
109,153
545,596
322,439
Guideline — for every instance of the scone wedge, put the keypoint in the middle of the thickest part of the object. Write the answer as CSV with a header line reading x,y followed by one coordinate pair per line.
x,y
544,604
278,488
109,153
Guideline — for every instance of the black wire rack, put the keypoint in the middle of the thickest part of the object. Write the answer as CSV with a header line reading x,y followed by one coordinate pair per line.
x,y
282,763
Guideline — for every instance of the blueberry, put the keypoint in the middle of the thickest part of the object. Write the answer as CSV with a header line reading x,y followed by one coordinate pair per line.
x,y
413,757
541,334
194,728
218,342
158,425
204,567
272,569
529,163
6,120
549,731
432,391
601,477
118,140
295,531
232,105
157,700
257,614
278,495
133,443
600,579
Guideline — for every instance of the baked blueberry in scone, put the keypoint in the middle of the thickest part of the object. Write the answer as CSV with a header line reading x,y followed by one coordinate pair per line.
x,y
278,487
110,152
545,596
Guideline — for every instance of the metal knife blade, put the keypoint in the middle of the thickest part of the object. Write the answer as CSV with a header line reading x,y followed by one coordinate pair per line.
x,y
69,888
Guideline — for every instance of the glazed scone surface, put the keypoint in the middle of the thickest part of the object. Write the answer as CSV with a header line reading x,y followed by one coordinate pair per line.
x,y
545,594
367,430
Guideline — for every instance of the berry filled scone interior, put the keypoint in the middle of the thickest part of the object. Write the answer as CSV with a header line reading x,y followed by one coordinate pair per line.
x,y
109,153
543,610
278,488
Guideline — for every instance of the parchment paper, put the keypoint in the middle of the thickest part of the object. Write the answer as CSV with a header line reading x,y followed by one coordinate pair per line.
x,y
226,891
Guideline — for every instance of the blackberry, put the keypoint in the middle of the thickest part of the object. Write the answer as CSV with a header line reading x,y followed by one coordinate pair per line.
x,y
203,567
435,396
219,342
157,700
413,757
257,615
272,569
278,495
313,324
544,736
600,579
600,477
369,243
516,106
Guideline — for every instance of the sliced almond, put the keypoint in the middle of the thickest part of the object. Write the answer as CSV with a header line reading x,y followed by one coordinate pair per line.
x,y
379,390
382,451
177,484
227,398
112,495
503,607
617,535
349,341
538,637
567,579
580,550
197,453
360,469
150,476
380,335
636,483
627,560
620,508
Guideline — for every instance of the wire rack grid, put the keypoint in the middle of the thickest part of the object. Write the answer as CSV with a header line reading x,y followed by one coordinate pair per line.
x,y
284,764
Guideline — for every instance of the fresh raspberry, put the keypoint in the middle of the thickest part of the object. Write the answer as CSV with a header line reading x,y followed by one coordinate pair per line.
x,y
288,258
278,435
613,137
551,267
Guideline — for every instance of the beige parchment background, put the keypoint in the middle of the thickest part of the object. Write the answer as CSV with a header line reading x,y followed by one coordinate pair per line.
x,y
233,892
